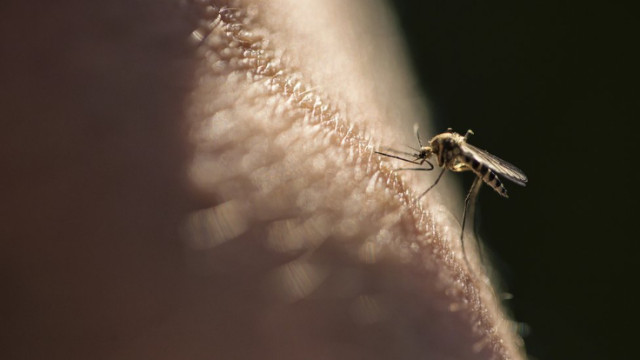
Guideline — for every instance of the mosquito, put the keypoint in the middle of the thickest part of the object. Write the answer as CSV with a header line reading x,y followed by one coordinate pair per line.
x,y
452,152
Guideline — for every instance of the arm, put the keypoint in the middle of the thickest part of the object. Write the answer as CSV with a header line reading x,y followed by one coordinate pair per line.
x,y
299,240
284,136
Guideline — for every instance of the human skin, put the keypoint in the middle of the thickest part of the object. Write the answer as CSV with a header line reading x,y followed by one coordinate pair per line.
x,y
219,197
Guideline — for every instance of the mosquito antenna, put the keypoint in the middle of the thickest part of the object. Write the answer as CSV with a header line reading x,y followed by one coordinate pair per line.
x,y
415,128
414,149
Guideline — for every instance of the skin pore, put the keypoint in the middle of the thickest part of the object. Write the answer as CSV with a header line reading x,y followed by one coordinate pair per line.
x,y
222,198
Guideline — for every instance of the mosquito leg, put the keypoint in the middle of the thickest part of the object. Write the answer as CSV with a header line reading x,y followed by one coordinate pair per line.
x,y
434,184
428,162
397,157
413,169
469,205
472,217
392,151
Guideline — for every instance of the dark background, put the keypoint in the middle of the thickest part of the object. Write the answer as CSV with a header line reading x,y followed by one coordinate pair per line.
x,y
546,86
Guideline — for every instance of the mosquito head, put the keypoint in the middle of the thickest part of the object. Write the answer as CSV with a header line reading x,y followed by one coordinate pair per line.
x,y
424,153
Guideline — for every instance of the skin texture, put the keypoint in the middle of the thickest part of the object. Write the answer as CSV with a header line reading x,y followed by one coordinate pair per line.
x,y
219,197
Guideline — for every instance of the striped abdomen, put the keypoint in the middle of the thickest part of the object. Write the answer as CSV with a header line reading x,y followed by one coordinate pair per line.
x,y
487,175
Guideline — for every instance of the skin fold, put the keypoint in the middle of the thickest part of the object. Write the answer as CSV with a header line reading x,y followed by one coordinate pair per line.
x,y
197,180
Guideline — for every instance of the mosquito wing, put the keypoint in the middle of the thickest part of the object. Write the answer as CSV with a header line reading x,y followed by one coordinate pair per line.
x,y
499,166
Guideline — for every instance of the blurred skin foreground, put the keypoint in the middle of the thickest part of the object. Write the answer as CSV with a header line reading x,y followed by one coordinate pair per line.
x,y
220,199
